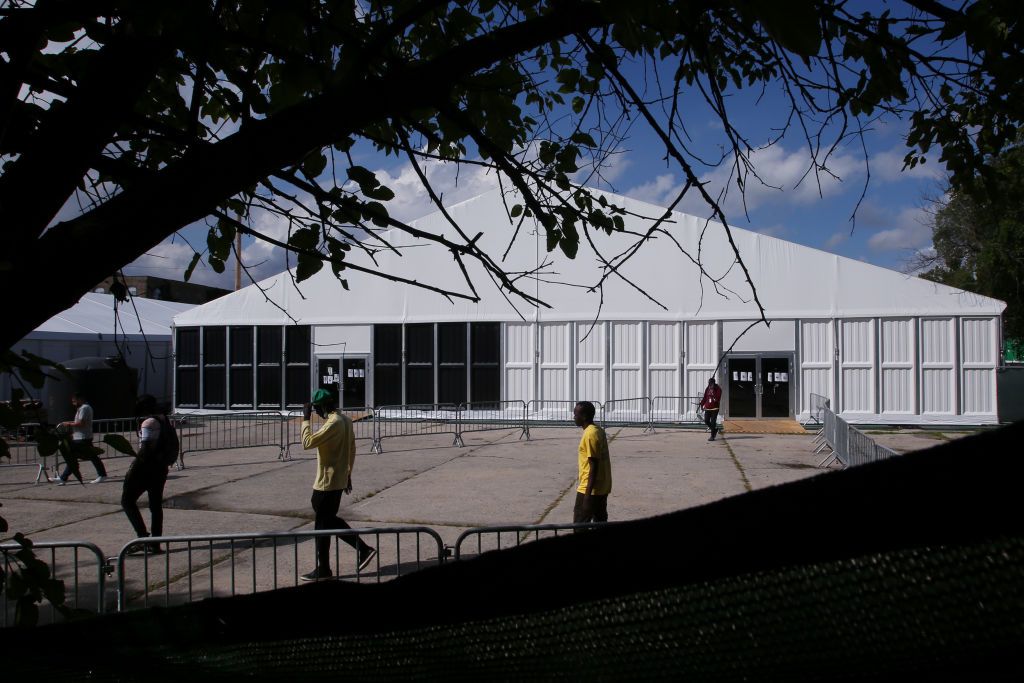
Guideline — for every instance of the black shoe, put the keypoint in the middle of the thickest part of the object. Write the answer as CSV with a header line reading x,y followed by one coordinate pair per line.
x,y
711,438
154,549
318,574
366,556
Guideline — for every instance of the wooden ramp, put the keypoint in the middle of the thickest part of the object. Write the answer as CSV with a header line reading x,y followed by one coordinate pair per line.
x,y
764,426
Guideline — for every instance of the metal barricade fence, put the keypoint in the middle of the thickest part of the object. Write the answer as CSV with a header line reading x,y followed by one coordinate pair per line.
x,y
628,412
415,420
291,426
550,413
78,564
818,404
192,568
510,536
210,432
493,415
675,411
849,445
860,448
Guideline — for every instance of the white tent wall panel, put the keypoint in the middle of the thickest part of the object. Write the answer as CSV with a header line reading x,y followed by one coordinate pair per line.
x,y
899,390
627,360
555,360
518,349
664,372
979,357
856,356
938,366
591,356
702,354
816,353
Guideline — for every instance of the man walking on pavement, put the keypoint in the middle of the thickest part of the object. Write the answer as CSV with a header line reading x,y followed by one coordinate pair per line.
x,y
335,444
595,468
710,403
81,443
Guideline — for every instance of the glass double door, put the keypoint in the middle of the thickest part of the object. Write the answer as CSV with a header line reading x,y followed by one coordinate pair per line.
x,y
346,378
759,385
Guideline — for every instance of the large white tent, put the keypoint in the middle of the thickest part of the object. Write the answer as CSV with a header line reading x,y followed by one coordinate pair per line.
x,y
94,327
882,346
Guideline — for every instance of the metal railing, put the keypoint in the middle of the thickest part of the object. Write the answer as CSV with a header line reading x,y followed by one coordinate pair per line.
x,y
493,415
848,445
510,536
67,561
415,420
210,432
675,411
628,412
190,568
291,426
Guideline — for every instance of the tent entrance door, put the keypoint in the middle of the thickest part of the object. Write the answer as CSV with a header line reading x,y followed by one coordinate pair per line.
x,y
759,385
353,381
328,375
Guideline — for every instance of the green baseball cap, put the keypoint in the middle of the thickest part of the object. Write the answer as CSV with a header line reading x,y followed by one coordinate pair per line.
x,y
321,395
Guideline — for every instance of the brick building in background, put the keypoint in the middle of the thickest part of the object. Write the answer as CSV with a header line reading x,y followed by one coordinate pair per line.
x,y
162,289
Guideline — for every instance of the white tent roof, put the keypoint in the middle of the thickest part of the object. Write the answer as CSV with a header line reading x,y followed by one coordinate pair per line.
x,y
792,281
93,317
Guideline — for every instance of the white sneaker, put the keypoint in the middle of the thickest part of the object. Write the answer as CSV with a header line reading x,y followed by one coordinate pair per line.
x,y
99,480
58,481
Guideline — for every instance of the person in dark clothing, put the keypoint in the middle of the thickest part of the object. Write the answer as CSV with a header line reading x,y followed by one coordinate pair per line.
x,y
147,474
711,403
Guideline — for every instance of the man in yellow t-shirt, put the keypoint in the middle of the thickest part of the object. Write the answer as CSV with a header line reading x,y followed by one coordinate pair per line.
x,y
595,468
335,444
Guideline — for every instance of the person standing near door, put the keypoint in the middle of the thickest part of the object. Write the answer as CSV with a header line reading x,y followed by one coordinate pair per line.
x,y
335,445
710,403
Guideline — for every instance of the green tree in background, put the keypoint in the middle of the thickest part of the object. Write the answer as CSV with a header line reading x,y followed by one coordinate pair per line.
x,y
978,237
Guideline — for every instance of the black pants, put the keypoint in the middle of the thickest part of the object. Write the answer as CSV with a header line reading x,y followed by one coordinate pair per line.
x,y
148,478
325,507
82,450
711,420
596,511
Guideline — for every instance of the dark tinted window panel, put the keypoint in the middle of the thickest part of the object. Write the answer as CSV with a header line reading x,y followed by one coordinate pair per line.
x,y
187,388
214,391
214,345
387,385
451,384
451,343
269,339
187,348
486,340
387,344
419,343
296,385
485,371
297,344
241,345
485,385
419,384
268,388
241,387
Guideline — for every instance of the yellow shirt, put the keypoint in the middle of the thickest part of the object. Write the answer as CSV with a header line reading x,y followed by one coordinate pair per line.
x,y
335,444
594,444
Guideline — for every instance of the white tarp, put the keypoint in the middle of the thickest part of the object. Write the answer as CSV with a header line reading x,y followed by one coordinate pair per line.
x,y
94,317
792,281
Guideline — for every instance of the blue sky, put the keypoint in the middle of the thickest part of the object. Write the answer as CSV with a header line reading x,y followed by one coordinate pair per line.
x,y
892,220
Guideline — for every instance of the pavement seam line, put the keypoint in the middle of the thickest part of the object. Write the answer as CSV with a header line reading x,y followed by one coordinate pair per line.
x,y
736,461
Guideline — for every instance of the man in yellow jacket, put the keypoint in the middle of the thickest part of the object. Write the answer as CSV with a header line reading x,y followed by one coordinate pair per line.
x,y
595,468
335,444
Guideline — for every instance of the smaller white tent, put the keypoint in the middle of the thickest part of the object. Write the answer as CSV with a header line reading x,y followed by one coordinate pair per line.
x,y
140,330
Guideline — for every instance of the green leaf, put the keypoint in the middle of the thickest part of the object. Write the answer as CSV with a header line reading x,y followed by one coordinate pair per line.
x,y
119,444
305,238
307,267
517,210
314,164
363,177
382,193
192,265
793,24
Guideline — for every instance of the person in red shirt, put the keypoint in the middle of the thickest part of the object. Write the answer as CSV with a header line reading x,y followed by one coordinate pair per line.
x,y
710,403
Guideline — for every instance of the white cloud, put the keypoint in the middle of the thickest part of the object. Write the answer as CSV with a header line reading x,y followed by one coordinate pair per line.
x,y
836,239
912,230
888,166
